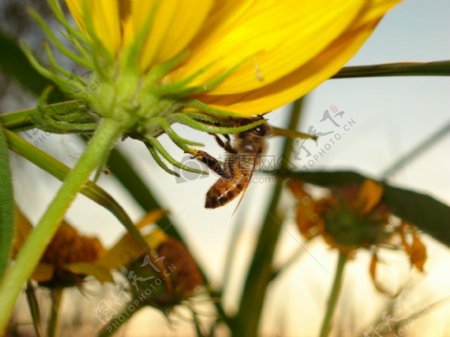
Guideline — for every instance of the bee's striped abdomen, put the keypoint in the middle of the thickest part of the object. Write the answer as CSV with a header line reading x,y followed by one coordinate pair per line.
x,y
226,189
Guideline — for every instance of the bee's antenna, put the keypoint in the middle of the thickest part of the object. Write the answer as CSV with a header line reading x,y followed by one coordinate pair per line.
x,y
291,133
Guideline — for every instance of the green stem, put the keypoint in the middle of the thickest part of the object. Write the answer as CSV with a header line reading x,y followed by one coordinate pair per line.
x,y
6,206
334,296
23,120
260,272
104,138
438,68
416,152
20,120
232,251
118,320
289,262
197,325
56,297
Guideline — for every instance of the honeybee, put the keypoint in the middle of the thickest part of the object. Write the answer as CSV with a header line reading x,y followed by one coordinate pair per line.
x,y
244,155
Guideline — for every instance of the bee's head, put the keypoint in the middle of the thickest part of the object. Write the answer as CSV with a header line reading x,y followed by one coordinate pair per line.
x,y
262,130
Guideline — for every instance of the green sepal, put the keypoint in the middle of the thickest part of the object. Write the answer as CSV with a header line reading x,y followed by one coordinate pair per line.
x,y
60,46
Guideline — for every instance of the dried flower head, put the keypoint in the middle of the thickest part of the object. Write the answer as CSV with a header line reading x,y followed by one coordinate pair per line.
x,y
355,217
165,277
69,257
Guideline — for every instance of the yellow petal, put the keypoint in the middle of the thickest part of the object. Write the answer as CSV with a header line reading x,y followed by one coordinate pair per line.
x,y
101,273
186,22
151,217
127,249
418,252
155,238
43,272
22,229
105,17
305,78
76,8
297,189
374,10
273,37
124,251
369,195
174,25
373,274
296,84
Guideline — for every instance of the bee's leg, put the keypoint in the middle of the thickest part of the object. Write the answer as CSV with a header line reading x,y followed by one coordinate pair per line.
x,y
226,145
210,161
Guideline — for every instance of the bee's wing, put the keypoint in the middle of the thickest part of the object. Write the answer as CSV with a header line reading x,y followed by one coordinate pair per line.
x,y
254,162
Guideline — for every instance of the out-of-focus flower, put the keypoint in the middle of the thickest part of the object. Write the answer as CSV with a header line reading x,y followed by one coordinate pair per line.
x,y
168,284
354,217
162,276
68,259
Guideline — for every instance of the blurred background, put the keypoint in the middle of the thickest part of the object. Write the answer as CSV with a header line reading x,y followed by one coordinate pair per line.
x,y
380,121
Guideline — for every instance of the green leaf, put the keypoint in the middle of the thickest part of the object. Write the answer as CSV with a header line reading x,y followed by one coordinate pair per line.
x,y
33,304
327,178
6,206
427,213
14,63
424,211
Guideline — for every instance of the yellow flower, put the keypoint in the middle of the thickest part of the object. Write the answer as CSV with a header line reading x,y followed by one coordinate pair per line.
x,y
205,64
354,217
262,54
68,259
